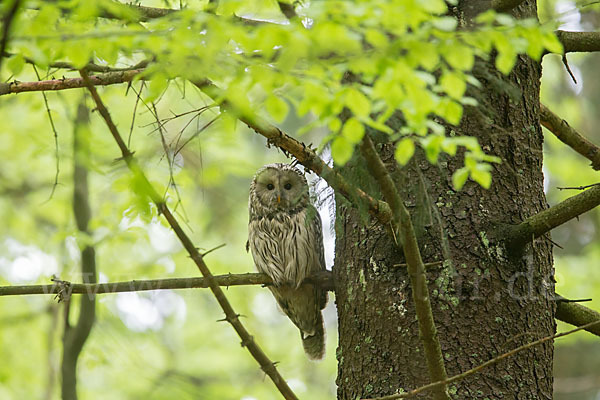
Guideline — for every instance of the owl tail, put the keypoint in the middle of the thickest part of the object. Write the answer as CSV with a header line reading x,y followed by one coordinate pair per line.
x,y
314,345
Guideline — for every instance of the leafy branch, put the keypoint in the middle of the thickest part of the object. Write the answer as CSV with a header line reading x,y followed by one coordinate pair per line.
x,y
230,315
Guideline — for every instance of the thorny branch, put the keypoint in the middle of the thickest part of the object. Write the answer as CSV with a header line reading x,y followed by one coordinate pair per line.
x,y
416,269
230,315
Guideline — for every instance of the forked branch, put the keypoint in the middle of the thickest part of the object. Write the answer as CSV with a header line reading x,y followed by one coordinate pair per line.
x,y
230,315
416,269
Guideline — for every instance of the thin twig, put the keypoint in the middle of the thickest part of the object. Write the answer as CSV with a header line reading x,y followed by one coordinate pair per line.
x,y
416,269
578,187
566,64
493,361
56,153
232,317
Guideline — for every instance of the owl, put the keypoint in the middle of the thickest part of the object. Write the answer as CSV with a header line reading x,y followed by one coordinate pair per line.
x,y
284,235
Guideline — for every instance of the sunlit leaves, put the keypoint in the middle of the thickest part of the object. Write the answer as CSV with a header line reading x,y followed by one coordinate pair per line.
x,y
404,151
277,107
374,59
341,150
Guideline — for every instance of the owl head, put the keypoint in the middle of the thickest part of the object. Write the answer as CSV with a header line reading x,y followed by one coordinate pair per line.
x,y
278,187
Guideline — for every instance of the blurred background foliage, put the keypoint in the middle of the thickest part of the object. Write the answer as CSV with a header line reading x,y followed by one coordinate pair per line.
x,y
168,344
577,361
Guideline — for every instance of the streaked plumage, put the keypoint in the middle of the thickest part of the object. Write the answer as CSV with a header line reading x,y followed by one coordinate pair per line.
x,y
284,235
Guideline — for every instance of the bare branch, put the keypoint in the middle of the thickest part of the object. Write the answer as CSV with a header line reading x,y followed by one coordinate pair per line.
x,y
578,315
416,269
324,279
493,361
579,41
518,236
110,78
230,315
304,154
569,136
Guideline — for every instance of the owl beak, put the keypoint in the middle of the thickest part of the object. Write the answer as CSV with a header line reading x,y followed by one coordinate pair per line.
x,y
278,199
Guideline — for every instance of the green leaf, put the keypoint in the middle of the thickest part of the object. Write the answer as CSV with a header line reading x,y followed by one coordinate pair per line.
x,y
376,38
459,178
341,150
353,130
277,107
450,110
459,56
404,151
16,63
454,84
357,102
158,84
433,146
447,24
482,175
551,42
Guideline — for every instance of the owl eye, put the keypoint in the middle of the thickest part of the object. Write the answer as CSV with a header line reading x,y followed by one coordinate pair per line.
x,y
287,186
270,186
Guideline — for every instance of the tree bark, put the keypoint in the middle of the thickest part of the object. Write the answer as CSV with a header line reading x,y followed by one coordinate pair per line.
x,y
485,301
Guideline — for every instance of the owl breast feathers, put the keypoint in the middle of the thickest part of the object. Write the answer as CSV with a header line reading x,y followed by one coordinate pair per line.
x,y
285,238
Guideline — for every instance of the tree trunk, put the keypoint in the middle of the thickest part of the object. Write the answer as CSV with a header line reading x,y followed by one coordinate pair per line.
x,y
485,301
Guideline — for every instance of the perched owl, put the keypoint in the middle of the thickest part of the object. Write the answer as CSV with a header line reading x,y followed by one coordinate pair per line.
x,y
285,237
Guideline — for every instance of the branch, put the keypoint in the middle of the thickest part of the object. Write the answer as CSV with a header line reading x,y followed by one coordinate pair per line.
x,y
75,337
579,41
305,155
576,314
110,78
517,236
569,136
323,278
505,5
416,269
493,361
230,315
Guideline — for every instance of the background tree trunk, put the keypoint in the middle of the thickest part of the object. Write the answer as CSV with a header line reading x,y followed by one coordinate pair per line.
x,y
485,302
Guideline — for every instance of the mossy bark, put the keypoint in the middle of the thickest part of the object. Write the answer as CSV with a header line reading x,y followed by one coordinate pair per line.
x,y
484,302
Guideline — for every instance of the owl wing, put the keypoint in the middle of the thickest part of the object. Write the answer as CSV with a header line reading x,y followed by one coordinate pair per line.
x,y
315,232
